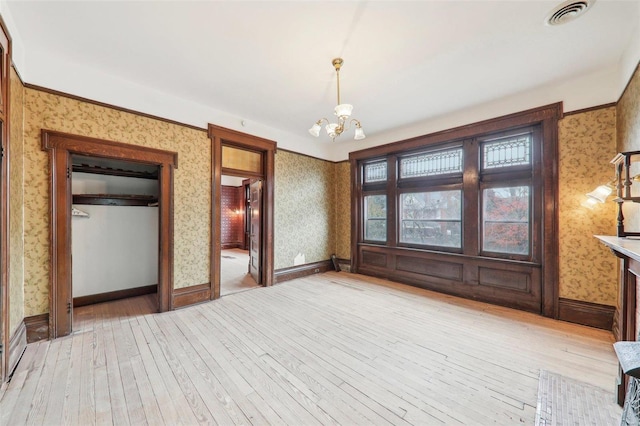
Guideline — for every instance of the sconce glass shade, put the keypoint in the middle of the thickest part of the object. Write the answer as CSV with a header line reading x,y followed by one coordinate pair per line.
x,y
331,130
601,193
315,130
359,134
343,110
589,203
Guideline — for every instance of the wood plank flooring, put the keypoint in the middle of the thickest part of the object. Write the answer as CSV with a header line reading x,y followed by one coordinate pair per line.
x,y
334,348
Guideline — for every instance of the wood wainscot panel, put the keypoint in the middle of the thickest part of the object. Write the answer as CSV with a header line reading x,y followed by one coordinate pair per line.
x,y
17,345
513,280
114,295
447,270
586,313
188,296
37,327
372,258
299,271
509,283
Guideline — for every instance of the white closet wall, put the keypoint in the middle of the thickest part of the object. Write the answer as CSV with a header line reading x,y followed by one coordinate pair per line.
x,y
116,247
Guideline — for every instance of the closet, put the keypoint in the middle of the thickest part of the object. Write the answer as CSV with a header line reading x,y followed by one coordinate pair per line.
x,y
114,228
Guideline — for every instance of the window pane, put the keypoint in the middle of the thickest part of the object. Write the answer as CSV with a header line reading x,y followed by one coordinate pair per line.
x,y
431,218
375,214
513,151
375,172
505,216
431,164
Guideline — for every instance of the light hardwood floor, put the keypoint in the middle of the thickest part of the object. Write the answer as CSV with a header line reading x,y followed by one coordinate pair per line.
x,y
234,276
334,348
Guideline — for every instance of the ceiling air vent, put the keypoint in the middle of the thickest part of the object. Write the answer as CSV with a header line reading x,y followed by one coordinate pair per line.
x,y
568,11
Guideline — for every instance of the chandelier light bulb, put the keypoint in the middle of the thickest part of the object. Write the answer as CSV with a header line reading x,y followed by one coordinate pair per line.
x,y
359,134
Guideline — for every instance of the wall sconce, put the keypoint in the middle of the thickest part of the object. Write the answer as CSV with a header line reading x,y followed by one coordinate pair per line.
x,y
601,193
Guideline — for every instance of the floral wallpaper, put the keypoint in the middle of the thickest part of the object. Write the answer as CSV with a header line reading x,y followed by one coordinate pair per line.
x,y
16,209
588,271
343,210
628,129
192,202
304,211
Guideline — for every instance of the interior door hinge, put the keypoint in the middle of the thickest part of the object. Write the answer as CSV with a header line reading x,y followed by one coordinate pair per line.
x,y
68,307
1,151
68,172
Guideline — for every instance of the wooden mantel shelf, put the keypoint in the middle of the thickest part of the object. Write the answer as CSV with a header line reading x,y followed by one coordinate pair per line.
x,y
629,247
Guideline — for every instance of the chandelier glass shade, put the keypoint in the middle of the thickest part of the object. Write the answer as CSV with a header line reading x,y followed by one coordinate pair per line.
x,y
342,112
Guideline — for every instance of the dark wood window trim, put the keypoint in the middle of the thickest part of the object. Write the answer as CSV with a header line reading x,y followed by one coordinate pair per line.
x,y
5,70
221,136
60,147
392,261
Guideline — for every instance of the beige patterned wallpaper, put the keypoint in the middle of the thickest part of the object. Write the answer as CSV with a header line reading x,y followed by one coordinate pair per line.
x,y
628,128
304,211
587,141
192,195
16,208
343,210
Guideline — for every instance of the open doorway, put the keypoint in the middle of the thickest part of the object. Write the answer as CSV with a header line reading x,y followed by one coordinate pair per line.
x,y
114,232
61,147
235,236
239,154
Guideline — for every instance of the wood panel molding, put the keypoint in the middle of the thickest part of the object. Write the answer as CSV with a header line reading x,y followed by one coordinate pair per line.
x,y
299,271
187,296
586,313
17,345
37,327
114,295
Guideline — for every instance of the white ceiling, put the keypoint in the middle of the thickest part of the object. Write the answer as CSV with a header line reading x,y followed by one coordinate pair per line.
x,y
411,67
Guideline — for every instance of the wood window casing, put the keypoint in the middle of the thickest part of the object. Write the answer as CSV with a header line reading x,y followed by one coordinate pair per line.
x,y
523,281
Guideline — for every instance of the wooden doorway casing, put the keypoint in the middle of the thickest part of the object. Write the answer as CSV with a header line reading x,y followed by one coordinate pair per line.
x,y
61,146
5,69
220,137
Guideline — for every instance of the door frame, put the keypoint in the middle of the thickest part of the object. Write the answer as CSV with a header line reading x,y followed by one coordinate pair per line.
x,y
222,136
5,305
61,146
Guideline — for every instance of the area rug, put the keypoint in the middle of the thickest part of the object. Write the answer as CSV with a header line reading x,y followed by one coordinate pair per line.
x,y
565,401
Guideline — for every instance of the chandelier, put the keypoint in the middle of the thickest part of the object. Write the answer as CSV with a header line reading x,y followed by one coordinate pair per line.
x,y
342,111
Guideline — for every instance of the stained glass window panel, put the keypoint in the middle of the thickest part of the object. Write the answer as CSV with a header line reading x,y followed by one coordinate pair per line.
x,y
432,163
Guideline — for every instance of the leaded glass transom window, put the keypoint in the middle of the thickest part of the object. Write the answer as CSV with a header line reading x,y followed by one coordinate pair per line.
x,y
375,172
512,151
432,163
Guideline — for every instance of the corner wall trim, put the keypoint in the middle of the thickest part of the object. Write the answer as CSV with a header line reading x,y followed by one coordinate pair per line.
x,y
114,295
187,296
586,313
37,327
299,271
17,345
